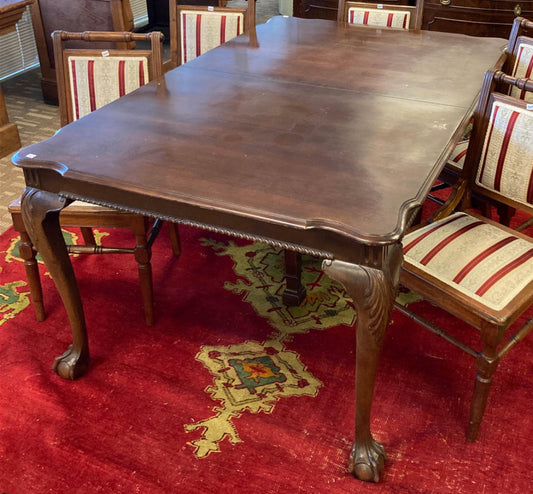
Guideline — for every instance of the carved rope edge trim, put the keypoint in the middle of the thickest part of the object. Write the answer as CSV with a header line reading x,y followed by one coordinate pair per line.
x,y
204,226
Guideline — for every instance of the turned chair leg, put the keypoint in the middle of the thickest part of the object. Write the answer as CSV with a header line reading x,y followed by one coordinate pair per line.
x,y
28,255
485,371
27,252
174,238
143,254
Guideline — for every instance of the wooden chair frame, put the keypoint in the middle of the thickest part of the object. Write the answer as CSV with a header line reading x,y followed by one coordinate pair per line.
x,y
492,324
128,39
120,19
175,23
415,20
86,216
521,26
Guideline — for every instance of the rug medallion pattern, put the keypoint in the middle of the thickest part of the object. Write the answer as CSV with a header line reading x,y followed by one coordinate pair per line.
x,y
254,375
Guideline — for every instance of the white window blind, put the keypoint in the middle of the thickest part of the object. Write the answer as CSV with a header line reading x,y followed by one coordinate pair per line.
x,y
17,48
140,12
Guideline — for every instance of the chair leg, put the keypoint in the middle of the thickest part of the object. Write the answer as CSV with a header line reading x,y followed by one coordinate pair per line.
x,y
142,256
485,370
174,235
32,273
88,235
28,254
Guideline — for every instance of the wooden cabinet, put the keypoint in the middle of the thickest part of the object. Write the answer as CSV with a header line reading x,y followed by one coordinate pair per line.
x,y
72,15
474,17
10,13
316,9
327,9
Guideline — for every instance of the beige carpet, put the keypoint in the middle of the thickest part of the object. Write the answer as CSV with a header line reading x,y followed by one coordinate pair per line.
x,y
37,121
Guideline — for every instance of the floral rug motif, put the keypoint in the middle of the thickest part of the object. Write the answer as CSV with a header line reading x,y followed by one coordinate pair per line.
x,y
262,281
253,376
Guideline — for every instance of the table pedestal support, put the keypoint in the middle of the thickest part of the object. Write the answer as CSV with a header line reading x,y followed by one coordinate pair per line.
x,y
372,291
40,213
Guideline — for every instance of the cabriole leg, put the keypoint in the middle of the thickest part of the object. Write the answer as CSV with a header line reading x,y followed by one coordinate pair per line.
x,y
40,212
373,291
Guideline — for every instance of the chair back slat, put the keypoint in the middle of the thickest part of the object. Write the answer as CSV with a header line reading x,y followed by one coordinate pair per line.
x,y
383,15
379,17
203,31
523,66
89,78
194,30
506,163
97,81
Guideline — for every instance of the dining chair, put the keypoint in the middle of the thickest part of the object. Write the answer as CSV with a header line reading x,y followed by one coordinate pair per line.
x,y
518,62
195,30
389,15
474,268
87,79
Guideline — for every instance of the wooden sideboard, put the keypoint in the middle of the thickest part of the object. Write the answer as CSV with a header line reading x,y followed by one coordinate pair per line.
x,y
474,17
10,13
73,15
327,9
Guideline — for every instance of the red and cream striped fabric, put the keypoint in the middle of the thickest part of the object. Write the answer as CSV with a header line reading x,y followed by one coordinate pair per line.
x,y
480,260
523,67
203,31
506,164
379,17
95,82
457,158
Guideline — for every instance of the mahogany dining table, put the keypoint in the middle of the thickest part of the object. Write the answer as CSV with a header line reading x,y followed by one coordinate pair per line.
x,y
310,135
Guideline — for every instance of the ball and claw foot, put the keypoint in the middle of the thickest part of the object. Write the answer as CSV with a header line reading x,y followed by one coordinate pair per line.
x,y
367,461
71,365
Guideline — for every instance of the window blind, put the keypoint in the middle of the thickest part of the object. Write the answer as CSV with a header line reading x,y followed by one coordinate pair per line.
x,y
140,12
18,51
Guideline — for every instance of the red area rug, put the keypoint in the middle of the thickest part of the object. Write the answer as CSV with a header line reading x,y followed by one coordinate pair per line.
x,y
229,392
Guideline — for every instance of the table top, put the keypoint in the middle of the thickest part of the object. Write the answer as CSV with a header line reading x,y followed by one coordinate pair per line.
x,y
322,132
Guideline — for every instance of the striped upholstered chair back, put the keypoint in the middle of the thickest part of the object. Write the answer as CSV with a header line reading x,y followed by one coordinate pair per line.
x,y
89,78
505,169
195,30
523,65
468,264
381,15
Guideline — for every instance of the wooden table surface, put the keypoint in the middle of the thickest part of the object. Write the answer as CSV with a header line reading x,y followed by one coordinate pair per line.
x,y
316,136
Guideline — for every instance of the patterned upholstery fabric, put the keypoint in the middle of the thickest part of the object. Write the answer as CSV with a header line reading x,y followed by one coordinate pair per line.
x,y
95,82
379,17
506,164
203,31
523,68
457,158
480,260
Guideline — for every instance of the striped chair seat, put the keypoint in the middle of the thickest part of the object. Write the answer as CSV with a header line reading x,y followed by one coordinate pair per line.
x,y
379,17
523,67
477,258
97,81
202,31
